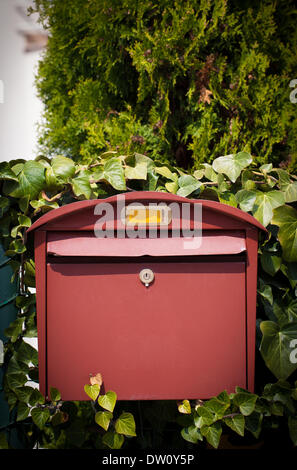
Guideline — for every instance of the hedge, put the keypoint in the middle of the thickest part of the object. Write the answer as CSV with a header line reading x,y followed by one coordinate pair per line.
x,y
183,82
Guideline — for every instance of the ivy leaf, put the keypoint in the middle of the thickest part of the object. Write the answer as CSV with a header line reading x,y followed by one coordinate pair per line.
x,y
63,169
236,423
224,398
14,366
245,401
125,424
6,172
36,398
24,393
253,423
266,168
4,205
29,273
292,311
59,418
286,219
113,173
270,262
289,188
192,434
265,203
16,247
113,440
103,419
22,411
187,185
31,180
226,197
165,171
232,165
24,222
203,417
108,400
217,406
209,173
92,391
290,271
81,184
152,181
139,172
24,302
172,187
40,416
292,423
246,199
140,158
198,174
55,395
275,347
184,407
51,180
222,184
265,291
27,354
43,205
15,329
277,408
212,434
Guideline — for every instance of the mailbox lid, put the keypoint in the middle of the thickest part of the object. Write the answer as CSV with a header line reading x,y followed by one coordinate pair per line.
x,y
86,244
184,336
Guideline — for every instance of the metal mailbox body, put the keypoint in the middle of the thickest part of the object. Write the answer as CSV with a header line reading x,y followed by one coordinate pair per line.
x,y
190,333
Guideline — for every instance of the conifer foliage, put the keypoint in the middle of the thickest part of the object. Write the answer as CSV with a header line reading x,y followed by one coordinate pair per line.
x,y
183,82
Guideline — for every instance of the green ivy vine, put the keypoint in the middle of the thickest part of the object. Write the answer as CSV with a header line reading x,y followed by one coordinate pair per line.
x,y
30,188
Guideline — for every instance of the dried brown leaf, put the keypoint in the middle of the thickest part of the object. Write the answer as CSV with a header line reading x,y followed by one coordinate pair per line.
x,y
96,379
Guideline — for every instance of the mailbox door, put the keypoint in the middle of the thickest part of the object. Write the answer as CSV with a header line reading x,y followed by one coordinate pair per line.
x,y
184,336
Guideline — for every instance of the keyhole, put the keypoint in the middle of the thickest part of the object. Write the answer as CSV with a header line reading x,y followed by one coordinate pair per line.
x,y
146,276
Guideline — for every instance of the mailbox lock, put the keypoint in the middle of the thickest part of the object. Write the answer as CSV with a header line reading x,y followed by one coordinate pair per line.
x,y
146,276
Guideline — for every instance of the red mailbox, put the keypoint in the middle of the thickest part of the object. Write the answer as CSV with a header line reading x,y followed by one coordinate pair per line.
x,y
160,312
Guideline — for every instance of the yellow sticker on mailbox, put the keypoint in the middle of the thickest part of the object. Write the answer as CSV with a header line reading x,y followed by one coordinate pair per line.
x,y
147,215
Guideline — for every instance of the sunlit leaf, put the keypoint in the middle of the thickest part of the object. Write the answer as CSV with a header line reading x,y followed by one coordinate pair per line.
x,y
125,424
103,419
265,203
184,407
232,165
108,400
286,219
92,391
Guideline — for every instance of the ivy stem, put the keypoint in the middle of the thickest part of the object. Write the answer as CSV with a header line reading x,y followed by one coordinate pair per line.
x,y
52,199
93,403
261,174
231,415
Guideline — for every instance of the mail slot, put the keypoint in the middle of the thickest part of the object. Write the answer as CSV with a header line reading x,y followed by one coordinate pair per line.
x,y
160,310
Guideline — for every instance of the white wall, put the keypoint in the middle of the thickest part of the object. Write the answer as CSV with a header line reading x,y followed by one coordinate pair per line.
x,y
20,109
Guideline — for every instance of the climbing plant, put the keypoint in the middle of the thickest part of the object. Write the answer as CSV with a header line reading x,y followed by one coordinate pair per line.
x,y
28,189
